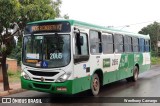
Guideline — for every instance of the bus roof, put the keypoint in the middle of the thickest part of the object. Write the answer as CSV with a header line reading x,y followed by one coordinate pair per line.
x,y
93,26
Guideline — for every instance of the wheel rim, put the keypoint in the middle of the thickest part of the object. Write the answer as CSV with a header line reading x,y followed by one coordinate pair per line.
x,y
95,84
136,74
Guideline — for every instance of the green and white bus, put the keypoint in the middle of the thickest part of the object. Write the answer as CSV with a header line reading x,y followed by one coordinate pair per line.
x,y
69,56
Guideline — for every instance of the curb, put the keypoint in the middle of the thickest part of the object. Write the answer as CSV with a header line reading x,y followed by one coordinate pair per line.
x,y
9,92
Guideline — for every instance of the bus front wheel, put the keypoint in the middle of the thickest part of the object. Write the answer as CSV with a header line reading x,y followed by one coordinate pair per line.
x,y
95,85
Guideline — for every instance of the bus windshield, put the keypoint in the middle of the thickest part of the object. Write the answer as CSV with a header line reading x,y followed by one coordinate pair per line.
x,y
46,51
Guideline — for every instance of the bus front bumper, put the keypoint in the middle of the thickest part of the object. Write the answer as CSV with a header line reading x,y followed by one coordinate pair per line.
x,y
50,87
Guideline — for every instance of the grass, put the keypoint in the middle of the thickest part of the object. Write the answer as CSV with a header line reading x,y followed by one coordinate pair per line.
x,y
14,76
155,60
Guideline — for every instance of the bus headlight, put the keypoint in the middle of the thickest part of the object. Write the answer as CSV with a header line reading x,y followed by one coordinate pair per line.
x,y
25,76
64,77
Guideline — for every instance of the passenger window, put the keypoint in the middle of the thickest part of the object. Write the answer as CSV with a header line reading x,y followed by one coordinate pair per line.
x,y
95,42
147,45
141,44
107,43
127,44
135,44
118,43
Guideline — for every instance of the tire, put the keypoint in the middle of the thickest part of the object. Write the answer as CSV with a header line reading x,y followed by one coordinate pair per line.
x,y
95,85
129,79
134,78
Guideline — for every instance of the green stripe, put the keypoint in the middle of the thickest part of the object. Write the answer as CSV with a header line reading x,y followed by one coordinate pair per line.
x,y
73,86
81,84
125,69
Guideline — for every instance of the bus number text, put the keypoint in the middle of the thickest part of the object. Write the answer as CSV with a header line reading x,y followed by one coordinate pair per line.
x,y
56,56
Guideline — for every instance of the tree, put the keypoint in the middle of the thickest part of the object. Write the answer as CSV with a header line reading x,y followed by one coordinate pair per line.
x,y
9,11
66,16
154,31
35,10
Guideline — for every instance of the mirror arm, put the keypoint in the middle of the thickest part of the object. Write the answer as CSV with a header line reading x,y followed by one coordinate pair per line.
x,y
77,32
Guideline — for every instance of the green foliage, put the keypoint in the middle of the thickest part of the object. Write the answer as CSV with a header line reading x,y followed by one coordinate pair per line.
x,y
36,10
1,28
8,12
10,73
155,60
14,76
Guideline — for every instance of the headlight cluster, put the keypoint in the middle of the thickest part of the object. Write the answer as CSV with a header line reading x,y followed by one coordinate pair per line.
x,y
25,76
64,77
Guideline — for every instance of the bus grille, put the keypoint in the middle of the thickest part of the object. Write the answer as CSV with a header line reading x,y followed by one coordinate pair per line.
x,y
43,86
38,73
39,79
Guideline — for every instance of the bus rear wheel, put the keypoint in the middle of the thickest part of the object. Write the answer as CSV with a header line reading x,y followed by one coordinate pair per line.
x,y
135,74
95,85
134,78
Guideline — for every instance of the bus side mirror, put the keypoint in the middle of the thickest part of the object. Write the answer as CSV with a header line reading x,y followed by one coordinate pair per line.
x,y
81,40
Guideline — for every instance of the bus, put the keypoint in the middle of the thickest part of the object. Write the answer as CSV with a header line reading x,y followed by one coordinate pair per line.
x,y
70,56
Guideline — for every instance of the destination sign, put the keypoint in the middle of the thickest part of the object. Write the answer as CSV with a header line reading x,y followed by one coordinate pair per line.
x,y
48,27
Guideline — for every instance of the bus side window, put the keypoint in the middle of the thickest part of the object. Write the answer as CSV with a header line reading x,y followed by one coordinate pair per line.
x,y
141,44
81,50
95,42
147,45
130,43
118,43
135,43
84,47
107,43
127,43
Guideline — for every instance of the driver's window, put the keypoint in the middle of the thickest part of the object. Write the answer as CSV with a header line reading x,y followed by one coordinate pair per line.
x,y
83,50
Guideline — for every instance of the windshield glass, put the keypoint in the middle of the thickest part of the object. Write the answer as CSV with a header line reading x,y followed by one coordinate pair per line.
x,y
46,50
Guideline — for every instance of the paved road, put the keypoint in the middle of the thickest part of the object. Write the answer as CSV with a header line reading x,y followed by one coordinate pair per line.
x,y
148,85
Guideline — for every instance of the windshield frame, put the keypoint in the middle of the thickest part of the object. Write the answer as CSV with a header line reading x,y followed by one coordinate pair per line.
x,y
44,34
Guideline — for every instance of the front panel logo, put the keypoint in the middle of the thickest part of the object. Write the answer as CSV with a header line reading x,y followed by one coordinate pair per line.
x,y
6,100
106,63
42,79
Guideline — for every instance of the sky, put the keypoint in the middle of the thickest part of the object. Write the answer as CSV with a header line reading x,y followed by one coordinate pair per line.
x,y
129,15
